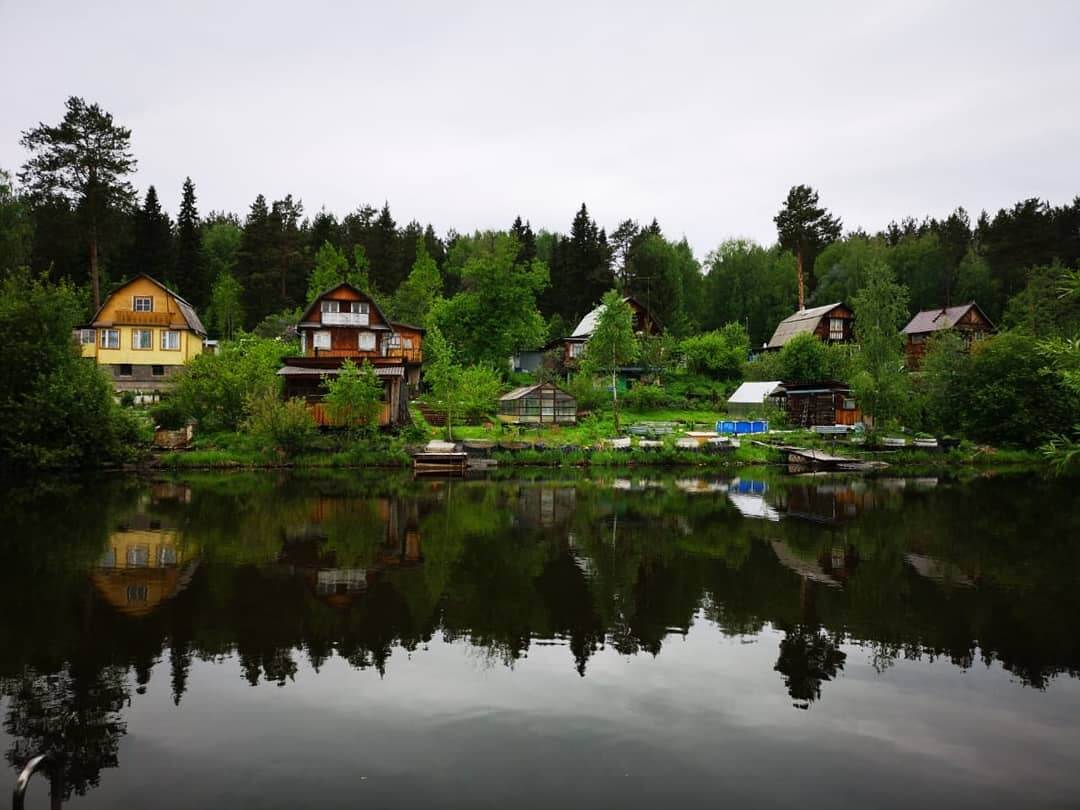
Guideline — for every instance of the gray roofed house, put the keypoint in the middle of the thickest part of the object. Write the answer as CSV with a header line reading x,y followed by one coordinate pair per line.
x,y
967,319
832,323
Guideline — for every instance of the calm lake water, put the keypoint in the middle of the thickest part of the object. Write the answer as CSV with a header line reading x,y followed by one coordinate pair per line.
x,y
358,640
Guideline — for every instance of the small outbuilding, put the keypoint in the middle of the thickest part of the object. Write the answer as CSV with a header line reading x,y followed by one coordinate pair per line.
x,y
543,403
822,402
753,396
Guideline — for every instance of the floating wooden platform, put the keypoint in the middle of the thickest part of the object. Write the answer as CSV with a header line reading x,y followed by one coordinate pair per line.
x,y
440,463
820,460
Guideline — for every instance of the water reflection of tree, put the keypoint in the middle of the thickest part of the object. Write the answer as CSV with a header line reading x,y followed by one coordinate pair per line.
x,y
808,657
72,716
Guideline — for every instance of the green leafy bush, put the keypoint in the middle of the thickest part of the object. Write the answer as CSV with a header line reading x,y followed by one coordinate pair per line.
x,y
719,353
287,425
56,408
354,398
214,388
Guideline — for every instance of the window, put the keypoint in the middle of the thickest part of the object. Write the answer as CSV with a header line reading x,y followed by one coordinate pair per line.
x,y
917,338
330,306
86,337
836,328
167,556
577,349
143,303
849,404
321,340
110,338
138,556
366,341
359,306
123,370
137,594
157,371
170,340
142,338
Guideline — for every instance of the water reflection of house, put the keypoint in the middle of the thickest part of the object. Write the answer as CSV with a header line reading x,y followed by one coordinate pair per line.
x,y
941,572
826,504
748,496
143,566
545,506
810,569
397,545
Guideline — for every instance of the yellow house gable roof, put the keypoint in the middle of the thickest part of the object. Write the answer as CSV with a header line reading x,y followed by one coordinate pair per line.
x,y
186,310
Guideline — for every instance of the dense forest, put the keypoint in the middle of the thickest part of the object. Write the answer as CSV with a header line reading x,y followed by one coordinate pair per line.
x,y
241,268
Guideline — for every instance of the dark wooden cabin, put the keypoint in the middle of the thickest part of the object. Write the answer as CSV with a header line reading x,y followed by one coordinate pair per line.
x,y
821,402
968,320
832,323
344,323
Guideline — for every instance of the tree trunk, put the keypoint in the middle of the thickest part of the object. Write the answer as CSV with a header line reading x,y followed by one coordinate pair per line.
x,y
95,284
799,274
615,399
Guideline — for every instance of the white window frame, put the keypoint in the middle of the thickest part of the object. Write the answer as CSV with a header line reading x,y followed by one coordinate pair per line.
x,y
576,350
360,307
137,300
329,305
321,339
365,337
165,333
105,342
149,344
87,333
836,328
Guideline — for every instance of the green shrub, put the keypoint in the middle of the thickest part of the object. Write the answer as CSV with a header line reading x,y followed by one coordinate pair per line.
x,y
590,394
354,398
650,398
168,414
214,388
286,425
719,353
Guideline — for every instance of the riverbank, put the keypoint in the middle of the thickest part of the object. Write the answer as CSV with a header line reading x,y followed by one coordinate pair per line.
x,y
224,451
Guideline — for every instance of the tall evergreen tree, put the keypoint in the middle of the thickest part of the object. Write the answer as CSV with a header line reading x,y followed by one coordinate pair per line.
x,y
153,250
526,240
382,246
190,275
85,160
805,228
252,261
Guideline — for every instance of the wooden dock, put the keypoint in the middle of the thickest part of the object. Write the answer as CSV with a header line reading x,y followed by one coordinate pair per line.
x,y
440,458
810,458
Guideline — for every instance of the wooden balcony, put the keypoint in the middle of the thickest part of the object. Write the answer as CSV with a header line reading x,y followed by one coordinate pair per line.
x,y
133,318
390,353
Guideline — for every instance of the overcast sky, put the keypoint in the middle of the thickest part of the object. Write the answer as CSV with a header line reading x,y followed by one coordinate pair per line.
x,y
466,114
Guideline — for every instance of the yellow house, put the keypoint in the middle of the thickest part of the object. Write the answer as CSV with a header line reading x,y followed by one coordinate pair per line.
x,y
142,334
142,567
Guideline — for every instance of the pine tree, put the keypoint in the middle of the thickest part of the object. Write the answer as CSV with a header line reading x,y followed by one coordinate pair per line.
x,y
526,240
190,275
416,295
83,161
153,250
382,251
805,229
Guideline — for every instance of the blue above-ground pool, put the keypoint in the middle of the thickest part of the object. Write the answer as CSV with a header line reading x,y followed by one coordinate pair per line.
x,y
743,426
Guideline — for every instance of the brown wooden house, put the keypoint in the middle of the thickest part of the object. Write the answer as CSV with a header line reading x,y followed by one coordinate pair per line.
x,y
968,320
832,323
345,323
573,347
821,402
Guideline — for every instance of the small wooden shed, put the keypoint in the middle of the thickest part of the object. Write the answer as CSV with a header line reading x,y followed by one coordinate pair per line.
x,y
822,402
543,403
